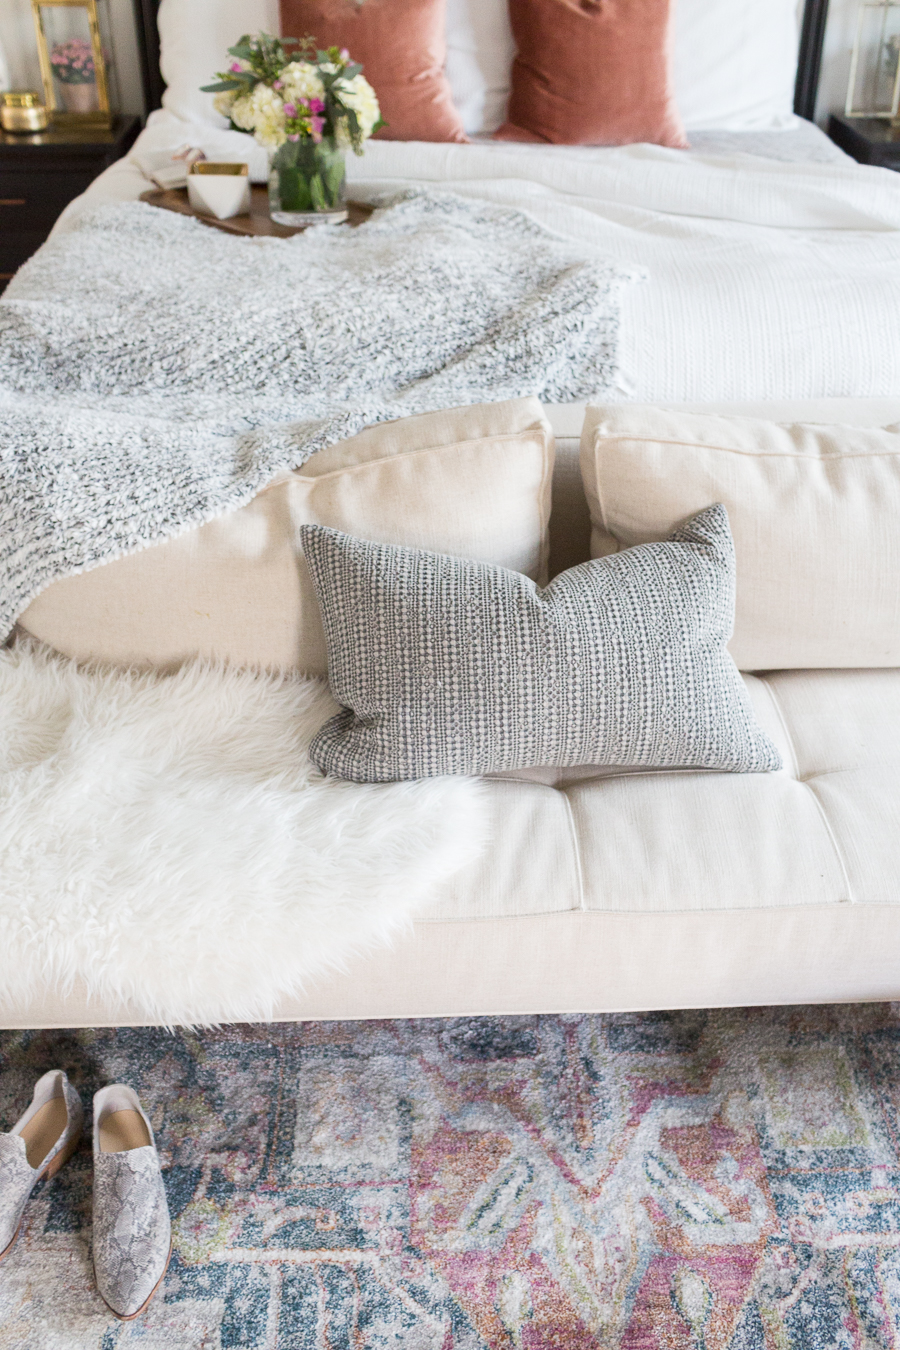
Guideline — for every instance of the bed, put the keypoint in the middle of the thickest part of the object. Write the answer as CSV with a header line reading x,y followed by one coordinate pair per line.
x,y
772,259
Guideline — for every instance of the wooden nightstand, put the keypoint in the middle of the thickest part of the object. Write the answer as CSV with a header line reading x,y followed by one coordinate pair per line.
x,y
41,173
868,139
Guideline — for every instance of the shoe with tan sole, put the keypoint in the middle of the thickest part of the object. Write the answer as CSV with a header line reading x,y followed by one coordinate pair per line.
x,y
132,1233
37,1146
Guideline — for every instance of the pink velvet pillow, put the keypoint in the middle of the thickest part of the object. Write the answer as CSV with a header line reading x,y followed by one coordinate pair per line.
x,y
592,72
401,46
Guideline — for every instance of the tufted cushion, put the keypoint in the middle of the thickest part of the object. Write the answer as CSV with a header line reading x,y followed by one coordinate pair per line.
x,y
821,831
471,481
449,666
814,511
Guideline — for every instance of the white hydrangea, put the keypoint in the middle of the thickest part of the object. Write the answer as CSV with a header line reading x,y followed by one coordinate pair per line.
x,y
261,112
300,80
224,102
241,113
359,95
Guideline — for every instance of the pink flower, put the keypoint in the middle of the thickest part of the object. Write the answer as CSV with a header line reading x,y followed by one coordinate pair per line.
x,y
344,54
315,105
317,124
276,84
76,55
294,137
290,110
236,67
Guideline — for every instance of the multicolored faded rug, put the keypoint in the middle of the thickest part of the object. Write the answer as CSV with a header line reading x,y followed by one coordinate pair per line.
x,y
691,1181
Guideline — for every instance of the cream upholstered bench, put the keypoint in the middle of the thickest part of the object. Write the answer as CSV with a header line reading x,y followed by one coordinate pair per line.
x,y
601,889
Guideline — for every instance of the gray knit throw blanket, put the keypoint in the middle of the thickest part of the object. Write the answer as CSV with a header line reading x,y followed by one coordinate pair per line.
x,y
155,373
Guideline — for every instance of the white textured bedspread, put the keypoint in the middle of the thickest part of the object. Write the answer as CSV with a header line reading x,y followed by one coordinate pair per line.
x,y
768,280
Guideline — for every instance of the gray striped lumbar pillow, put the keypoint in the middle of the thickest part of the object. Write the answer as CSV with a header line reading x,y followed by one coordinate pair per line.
x,y
450,666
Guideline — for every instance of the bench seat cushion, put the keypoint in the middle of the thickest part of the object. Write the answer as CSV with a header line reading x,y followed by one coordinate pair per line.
x,y
605,890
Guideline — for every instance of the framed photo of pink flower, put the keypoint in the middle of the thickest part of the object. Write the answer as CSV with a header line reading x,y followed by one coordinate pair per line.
x,y
74,55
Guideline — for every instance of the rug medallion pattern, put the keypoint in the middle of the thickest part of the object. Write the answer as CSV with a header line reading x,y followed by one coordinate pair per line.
x,y
688,1181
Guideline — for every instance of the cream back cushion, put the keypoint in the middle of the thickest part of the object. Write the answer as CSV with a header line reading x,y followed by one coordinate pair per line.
x,y
473,481
814,510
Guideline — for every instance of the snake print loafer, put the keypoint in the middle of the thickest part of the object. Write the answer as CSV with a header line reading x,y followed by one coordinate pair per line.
x,y
38,1144
132,1234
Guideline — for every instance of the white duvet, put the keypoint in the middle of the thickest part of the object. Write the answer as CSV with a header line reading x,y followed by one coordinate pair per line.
x,y
766,280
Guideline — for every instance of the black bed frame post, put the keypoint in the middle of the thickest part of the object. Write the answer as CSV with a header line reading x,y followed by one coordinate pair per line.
x,y
148,51
809,60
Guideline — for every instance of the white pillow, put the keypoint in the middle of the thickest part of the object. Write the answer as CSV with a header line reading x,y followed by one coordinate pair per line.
x,y
734,63
480,51
194,37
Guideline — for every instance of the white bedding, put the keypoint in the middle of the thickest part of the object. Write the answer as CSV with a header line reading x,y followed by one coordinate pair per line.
x,y
767,279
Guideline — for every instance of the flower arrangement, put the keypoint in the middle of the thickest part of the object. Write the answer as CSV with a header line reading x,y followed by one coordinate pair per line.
x,y
73,62
307,95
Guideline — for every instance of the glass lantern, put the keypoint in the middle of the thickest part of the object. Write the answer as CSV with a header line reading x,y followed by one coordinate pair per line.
x,y
873,89
73,50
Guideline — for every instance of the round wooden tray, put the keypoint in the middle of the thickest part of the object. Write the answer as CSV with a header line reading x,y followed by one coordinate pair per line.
x,y
257,222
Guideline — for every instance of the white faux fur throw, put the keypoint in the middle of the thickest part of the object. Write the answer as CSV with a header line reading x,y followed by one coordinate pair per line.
x,y
165,839
156,373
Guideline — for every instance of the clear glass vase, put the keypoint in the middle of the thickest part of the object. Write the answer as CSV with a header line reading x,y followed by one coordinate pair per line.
x,y
306,183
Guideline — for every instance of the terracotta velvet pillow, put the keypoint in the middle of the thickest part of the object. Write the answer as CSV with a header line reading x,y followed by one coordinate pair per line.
x,y
401,47
592,72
